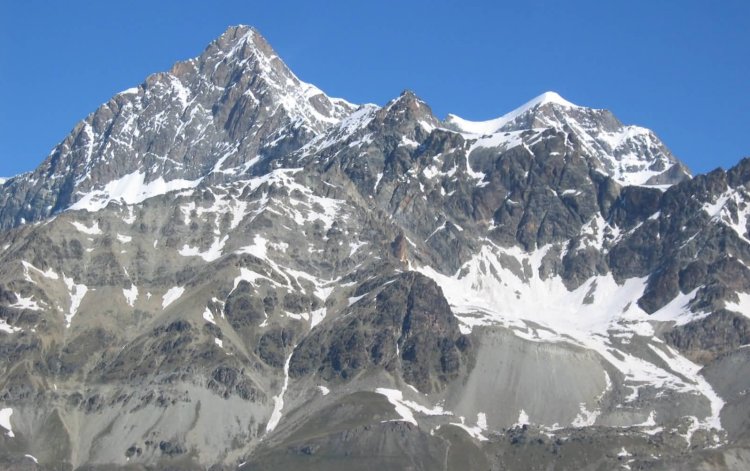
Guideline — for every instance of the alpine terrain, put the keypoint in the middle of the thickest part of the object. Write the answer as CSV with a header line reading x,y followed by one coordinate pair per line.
x,y
224,268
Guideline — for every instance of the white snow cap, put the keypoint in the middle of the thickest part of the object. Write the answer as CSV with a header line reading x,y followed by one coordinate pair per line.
x,y
492,125
549,97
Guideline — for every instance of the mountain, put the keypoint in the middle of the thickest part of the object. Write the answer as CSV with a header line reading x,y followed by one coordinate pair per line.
x,y
209,116
225,268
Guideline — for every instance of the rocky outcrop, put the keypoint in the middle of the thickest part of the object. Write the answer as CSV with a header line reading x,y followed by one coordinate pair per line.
x,y
404,324
719,333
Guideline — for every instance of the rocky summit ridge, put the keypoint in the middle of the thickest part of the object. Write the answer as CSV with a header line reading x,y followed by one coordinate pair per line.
x,y
224,268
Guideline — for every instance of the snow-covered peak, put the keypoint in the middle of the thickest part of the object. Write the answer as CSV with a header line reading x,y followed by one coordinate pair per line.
x,y
548,97
493,125
632,155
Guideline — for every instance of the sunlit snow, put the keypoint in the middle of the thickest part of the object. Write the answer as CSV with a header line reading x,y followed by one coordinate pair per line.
x,y
171,296
131,294
485,291
5,421
130,189
77,292
25,303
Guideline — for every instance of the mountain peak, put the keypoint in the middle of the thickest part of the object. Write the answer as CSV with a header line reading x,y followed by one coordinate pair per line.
x,y
493,125
233,104
549,97
406,98
238,33
630,154
241,43
248,51
408,106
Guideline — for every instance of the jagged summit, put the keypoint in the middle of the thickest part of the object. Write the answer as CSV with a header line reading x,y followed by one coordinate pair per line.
x,y
408,106
246,48
234,35
214,115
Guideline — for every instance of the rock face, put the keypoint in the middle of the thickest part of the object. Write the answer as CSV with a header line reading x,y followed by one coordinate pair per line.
x,y
226,266
406,326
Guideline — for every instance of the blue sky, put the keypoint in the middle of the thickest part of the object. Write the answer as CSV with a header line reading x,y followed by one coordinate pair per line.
x,y
679,68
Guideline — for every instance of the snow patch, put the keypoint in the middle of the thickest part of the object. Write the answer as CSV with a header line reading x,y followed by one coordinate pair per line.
x,y
129,91
25,303
475,431
211,254
687,368
317,316
130,189
278,400
77,292
7,328
5,421
377,182
258,248
354,299
732,208
523,419
406,408
482,420
93,230
171,296
131,294
208,316
501,140
742,305
130,218
49,273
585,417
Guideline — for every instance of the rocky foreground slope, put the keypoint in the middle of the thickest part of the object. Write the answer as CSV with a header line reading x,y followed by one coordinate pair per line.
x,y
224,268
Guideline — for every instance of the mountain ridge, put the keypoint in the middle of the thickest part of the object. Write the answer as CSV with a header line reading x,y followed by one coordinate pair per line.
x,y
240,46
377,291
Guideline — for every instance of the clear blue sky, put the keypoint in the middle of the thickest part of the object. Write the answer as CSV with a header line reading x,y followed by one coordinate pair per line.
x,y
679,68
